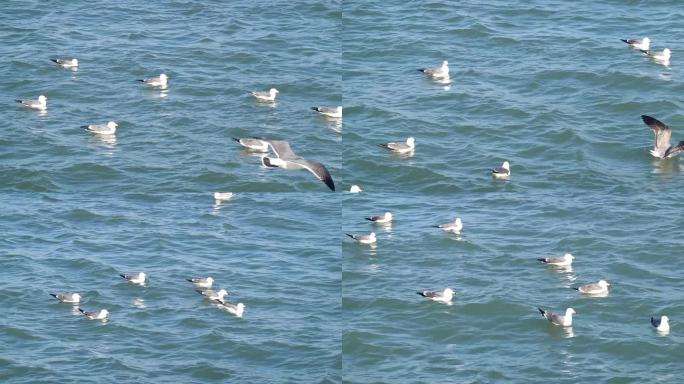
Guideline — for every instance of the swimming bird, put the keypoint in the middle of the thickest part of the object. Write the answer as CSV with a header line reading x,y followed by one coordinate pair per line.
x,y
661,57
41,103
455,227
444,296
355,189
561,261
236,309
409,146
599,288
555,319
662,324
67,297
253,144
266,96
502,172
95,315
139,278
662,149
66,63
213,295
202,282
364,239
386,218
440,72
223,196
642,44
329,112
287,159
160,81
102,129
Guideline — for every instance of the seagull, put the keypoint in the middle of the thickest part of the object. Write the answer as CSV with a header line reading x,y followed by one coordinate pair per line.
x,y
662,149
160,81
364,239
253,144
223,196
642,44
386,218
102,129
662,324
599,288
444,296
266,96
329,112
409,146
67,297
99,315
502,172
213,295
287,159
555,319
41,103
69,63
202,282
662,57
454,227
236,309
355,189
440,72
139,278
561,261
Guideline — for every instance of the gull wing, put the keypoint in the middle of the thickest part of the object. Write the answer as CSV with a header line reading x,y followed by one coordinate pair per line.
x,y
317,169
662,133
281,148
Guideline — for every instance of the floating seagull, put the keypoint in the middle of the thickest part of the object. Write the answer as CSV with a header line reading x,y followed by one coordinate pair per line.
x,y
236,309
95,315
662,149
139,278
253,144
440,72
287,159
67,297
561,261
330,112
355,189
364,239
102,129
599,288
562,320
662,57
386,218
213,295
160,81
662,324
642,44
502,172
266,96
409,146
41,103
454,227
444,296
202,282
72,63
223,196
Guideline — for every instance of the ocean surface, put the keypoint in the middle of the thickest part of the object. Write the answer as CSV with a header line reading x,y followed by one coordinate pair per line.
x,y
546,85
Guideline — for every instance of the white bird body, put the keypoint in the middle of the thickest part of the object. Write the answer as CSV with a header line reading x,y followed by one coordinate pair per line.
x,y
662,324
502,172
384,219
561,261
95,315
41,103
253,144
364,239
102,129
406,147
139,278
67,297
598,288
266,96
236,309
662,57
66,63
213,295
441,72
444,297
202,282
555,319
643,44
454,227
329,112
161,81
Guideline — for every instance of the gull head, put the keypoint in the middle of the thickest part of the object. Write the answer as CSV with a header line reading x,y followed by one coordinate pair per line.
x,y
664,320
339,109
112,125
273,91
209,280
222,293
569,312
42,99
458,221
646,41
163,77
603,284
141,276
568,256
448,293
240,310
411,142
74,62
103,313
355,189
667,53
506,166
388,215
372,235
76,297
445,64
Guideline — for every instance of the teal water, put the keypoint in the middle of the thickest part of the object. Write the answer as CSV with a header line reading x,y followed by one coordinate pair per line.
x,y
546,85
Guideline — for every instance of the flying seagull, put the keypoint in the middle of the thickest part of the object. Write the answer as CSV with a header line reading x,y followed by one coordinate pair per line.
x,y
253,144
66,63
642,44
661,57
386,218
160,81
662,324
266,96
329,112
555,319
503,171
202,282
598,288
364,239
561,261
455,227
41,103
444,296
662,149
287,159
440,72
95,315
409,146
102,129
67,297
139,278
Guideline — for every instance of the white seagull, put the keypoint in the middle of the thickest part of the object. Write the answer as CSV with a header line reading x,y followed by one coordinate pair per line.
x,y
266,96
41,103
555,319
502,172
454,227
213,295
662,324
409,146
386,218
662,149
364,239
202,282
95,315
139,278
661,57
67,297
253,144
598,288
223,196
102,129
643,44
66,63
355,189
160,81
444,296
236,309
561,261
287,159
329,112
440,72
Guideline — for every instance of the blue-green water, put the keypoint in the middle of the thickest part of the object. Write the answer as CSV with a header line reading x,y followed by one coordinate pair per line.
x,y
546,85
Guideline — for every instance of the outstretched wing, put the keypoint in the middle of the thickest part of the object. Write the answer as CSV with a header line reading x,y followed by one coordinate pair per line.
x,y
317,169
281,148
674,151
662,132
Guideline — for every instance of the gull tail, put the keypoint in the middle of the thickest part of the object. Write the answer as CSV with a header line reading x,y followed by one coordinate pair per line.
x,y
383,146
576,289
624,41
316,109
369,219
84,127
644,52
81,310
542,260
352,236
142,81
543,312
421,294
53,295
236,139
18,101
55,60
421,70
122,275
